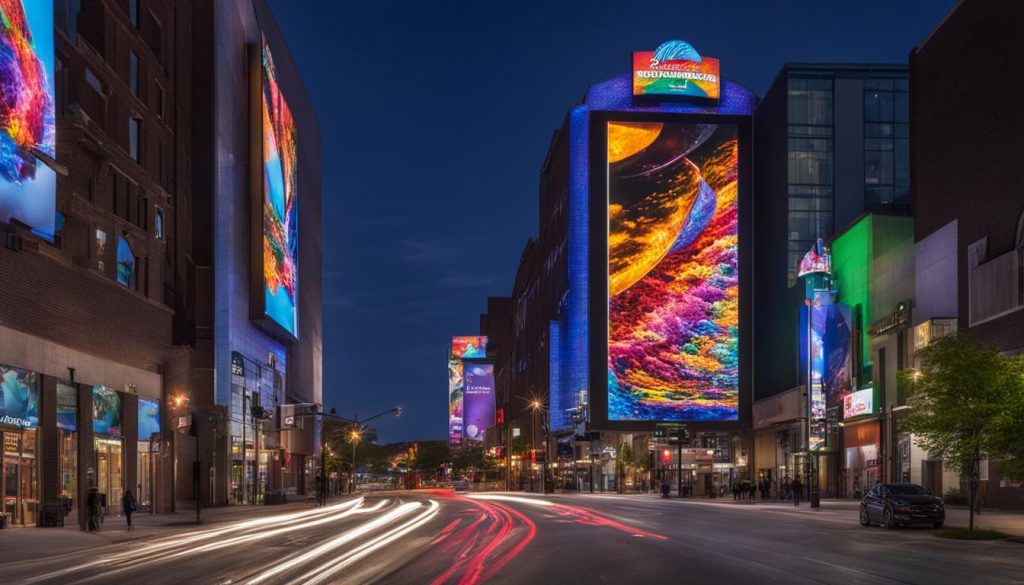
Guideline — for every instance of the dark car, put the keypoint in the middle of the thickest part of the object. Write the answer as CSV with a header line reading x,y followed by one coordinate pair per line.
x,y
895,504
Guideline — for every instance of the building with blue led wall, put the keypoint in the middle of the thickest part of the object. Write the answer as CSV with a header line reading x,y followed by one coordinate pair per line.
x,y
643,184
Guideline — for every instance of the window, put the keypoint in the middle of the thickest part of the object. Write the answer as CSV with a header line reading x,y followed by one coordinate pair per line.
x,y
141,218
134,136
126,264
133,12
65,17
133,72
158,223
886,145
101,248
159,103
60,82
93,81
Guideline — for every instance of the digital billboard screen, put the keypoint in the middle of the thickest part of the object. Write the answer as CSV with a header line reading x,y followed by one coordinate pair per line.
x,y
672,203
28,186
676,69
478,398
19,397
149,418
469,347
67,406
106,411
455,401
280,217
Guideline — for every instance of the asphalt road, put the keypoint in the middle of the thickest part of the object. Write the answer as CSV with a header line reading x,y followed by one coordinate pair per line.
x,y
441,538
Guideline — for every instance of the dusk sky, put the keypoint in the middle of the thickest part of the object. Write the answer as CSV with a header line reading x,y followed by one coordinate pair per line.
x,y
435,119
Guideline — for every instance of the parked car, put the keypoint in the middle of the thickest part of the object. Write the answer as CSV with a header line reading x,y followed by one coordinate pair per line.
x,y
461,485
895,504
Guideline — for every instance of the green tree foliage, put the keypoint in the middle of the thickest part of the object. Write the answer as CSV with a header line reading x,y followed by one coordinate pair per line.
x,y
1007,434
959,401
431,455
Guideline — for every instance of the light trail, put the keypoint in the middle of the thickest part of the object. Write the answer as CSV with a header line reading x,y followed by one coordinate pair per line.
x,y
325,572
517,499
168,544
347,536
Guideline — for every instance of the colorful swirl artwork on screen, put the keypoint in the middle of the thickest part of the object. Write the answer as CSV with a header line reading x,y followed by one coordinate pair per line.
x,y
280,215
28,187
469,346
673,282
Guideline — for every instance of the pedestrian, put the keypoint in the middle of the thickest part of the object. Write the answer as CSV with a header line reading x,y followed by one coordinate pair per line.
x,y
796,486
735,492
92,503
128,505
753,492
321,496
664,488
784,491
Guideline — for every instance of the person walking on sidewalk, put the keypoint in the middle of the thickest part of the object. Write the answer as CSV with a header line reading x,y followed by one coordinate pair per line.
x,y
128,505
797,487
321,493
92,503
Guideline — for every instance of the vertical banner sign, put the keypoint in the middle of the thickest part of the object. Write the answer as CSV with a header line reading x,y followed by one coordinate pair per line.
x,y
819,310
455,401
478,389
28,186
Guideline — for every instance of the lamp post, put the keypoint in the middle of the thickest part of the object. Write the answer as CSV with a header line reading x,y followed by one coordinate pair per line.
x,y
179,401
354,437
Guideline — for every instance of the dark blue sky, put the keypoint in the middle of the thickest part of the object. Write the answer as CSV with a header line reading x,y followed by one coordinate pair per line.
x,y
435,119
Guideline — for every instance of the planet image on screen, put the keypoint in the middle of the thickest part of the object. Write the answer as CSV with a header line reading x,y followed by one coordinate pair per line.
x,y
672,272
471,431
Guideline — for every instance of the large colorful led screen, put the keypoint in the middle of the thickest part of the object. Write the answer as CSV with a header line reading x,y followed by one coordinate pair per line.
x,y
673,282
478,397
455,401
28,187
19,397
469,346
280,214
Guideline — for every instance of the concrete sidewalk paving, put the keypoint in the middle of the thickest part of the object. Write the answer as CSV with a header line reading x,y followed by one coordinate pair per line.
x,y
27,543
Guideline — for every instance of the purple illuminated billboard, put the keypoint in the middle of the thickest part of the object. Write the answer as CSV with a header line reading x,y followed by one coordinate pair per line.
x,y
478,397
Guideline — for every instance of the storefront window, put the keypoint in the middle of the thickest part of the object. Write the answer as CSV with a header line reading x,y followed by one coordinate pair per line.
x,y
109,450
19,418
149,440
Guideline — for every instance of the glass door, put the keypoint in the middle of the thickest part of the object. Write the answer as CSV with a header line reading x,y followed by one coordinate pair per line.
x,y
19,482
109,472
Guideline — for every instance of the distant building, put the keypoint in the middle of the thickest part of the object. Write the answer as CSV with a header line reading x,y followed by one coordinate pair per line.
x,y
968,187
831,142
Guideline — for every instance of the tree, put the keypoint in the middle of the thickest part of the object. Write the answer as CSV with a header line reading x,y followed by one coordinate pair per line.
x,y
430,455
1007,440
623,464
959,396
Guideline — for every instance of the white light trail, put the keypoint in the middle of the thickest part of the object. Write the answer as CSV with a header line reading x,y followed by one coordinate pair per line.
x,y
155,552
326,571
344,537
521,500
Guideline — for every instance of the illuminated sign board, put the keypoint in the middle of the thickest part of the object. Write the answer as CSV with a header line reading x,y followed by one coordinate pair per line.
x,y
817,260
672,202
859,403
478,392
455,402
275,245
149,418
469,347
28,186
19,397
106,411
676,69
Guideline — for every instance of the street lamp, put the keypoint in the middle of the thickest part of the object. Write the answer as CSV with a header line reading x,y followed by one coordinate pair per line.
x,y
537,406
180,400
354,438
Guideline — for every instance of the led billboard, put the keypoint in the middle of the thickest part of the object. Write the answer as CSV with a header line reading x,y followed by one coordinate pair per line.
x,y
28,186
19,397
149,418
676,69
455,402
478,393
469,347
275,214
106,411
859,403
672,301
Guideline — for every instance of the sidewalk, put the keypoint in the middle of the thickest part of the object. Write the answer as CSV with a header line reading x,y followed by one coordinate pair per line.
x,y
31,542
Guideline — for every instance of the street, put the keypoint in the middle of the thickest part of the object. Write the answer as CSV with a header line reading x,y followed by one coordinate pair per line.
x,y
439,537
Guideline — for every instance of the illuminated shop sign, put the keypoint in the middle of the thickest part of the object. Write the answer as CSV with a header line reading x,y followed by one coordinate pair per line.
x,y
817,260
676,69
859,403
19,397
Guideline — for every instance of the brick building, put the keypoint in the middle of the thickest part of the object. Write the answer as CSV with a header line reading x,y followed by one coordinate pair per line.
x,y
86,318
967,132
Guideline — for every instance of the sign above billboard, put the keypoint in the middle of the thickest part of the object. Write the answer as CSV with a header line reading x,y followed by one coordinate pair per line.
x,y
469,347
859,403
676,69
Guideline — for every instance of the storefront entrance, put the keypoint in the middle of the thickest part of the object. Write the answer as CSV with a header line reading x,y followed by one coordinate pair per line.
x,y
148,451
109,471
19,482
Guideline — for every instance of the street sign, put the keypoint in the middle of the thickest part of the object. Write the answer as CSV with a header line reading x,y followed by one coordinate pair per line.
x,y
184,422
